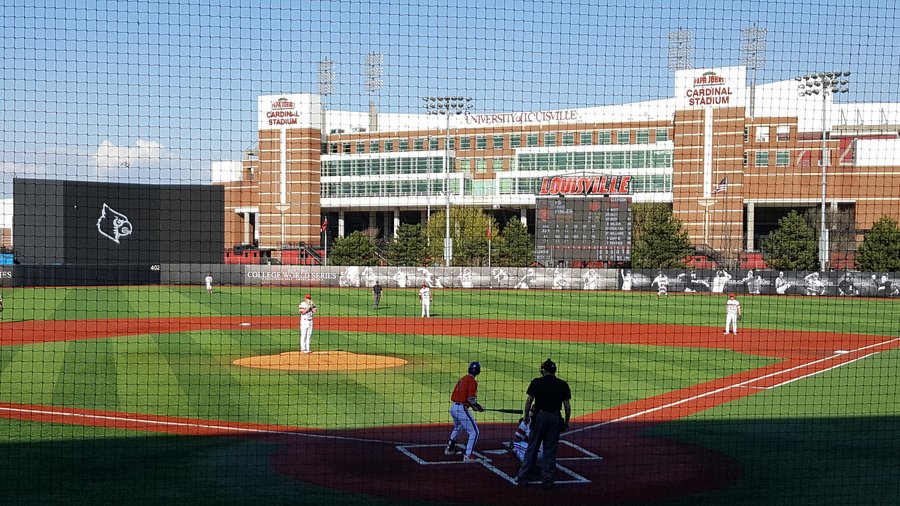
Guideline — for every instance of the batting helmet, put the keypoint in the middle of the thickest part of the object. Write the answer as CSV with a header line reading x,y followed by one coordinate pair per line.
x,y
549,366
474,368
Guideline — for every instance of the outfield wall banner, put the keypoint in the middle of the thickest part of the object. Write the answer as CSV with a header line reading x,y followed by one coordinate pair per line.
x,y
79,275
761,282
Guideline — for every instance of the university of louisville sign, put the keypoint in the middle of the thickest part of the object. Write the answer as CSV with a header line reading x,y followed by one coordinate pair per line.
x,y
586,185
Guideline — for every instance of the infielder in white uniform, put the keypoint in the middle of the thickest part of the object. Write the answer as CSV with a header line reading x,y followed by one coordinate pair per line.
x,y
208,280
425,297
732,313
308,310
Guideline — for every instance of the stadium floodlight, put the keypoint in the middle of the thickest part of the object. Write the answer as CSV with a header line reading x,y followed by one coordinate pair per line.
x,y
681,49
753,55
374,82
447,106
825,84
326,84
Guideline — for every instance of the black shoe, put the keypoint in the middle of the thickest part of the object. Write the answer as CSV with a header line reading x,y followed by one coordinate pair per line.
x,y
521,482
546,484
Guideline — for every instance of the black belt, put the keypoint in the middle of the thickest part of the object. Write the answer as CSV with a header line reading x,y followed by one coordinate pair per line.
x,y
550,412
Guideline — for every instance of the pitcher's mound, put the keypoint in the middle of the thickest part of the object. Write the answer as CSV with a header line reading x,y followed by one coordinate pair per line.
x,y
320,361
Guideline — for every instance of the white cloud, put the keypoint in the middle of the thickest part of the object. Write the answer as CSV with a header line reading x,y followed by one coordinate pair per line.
x,y
143,153
225,171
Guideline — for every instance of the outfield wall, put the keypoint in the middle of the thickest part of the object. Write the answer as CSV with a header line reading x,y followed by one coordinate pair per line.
x,y
515,278
684,281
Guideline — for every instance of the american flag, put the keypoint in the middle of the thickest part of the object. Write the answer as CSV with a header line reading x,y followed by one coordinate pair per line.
x,y
325,224
723,186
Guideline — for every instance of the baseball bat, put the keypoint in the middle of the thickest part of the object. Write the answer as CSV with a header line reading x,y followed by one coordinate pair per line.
x,y
514,411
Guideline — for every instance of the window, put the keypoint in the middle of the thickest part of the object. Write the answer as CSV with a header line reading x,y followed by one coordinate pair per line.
x,y
531,140
389,146
373,147
762,159
782,158
418,144
568,138
360,147
433,144
662,135
404,145
549,139
498,164
332,148
746,159
515,141
465,142
586,138
762,133
497,142
480,165
481,142
642,136
345,148
464,165
783,133
604,137
746,134
623,137
452,143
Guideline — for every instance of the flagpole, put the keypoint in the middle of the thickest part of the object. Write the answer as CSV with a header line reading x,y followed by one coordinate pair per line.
x,y
326,246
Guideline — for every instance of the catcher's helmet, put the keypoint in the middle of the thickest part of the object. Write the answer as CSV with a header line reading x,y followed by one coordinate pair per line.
x,y
474,368
549,366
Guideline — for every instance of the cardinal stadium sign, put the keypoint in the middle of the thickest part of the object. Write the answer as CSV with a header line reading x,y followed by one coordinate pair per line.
x,y
586,185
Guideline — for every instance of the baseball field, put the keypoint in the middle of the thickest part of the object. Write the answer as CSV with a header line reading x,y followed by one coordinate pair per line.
x,y
171,395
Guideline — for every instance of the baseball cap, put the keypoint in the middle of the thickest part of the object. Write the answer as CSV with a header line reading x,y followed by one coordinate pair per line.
x,y
549,366
308,296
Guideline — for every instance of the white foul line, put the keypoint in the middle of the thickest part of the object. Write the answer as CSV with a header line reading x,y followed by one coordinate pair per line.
x,y
729,387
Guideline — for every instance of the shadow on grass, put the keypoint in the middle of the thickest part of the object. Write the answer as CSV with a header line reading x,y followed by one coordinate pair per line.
x,y
786,461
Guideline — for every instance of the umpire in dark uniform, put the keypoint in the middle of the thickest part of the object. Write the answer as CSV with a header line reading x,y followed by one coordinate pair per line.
x,y
547,395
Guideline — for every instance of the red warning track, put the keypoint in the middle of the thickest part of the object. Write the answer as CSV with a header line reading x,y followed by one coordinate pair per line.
x,y
627,472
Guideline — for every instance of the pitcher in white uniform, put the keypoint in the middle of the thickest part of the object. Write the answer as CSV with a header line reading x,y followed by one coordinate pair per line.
x,y
308,310
425,297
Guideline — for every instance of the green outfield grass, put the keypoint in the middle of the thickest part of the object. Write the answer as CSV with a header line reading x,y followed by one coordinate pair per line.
x,y
771,434
818,314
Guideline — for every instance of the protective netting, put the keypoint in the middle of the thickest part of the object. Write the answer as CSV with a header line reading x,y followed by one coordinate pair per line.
x,y
320,252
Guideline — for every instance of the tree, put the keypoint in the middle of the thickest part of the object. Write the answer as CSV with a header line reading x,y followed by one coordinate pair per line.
x,y
409,247
792,246
841,224
355,249
468,229
514,247
658,239
880,250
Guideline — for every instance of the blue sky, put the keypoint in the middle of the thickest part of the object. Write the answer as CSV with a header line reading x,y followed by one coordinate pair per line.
x,y
170,87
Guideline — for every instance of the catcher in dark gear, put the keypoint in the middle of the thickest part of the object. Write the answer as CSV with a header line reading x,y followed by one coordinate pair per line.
x,y
547,395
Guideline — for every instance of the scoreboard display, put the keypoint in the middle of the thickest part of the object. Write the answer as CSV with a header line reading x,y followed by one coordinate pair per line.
x,y
588,228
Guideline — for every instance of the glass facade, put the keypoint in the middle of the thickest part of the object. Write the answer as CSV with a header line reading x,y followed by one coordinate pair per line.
x,y
597,160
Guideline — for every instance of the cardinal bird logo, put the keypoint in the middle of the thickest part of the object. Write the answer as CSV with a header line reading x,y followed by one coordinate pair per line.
x,y
113,225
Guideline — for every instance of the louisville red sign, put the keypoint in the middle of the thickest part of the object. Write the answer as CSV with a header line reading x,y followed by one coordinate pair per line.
x,y
586,185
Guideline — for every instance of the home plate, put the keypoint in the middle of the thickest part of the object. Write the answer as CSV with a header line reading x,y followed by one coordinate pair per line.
x,y
245,324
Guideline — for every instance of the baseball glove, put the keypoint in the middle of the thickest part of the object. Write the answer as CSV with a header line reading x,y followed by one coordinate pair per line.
x,y
740,317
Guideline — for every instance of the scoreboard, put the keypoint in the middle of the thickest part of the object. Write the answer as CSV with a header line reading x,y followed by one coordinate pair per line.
x,y
582,229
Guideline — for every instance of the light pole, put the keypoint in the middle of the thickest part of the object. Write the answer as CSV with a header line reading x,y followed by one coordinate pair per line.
x,y
447,106
823,83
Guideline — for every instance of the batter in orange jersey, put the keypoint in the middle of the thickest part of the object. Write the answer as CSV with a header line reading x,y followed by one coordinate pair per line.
x,y
463,401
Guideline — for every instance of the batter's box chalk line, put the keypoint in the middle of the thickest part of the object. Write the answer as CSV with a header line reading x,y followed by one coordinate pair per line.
x,y
574,478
